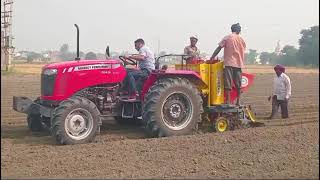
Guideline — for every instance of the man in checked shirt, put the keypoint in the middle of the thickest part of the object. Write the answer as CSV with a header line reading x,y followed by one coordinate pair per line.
x,y
281,92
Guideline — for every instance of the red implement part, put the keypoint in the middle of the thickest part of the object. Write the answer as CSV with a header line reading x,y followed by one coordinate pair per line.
x,y
247,80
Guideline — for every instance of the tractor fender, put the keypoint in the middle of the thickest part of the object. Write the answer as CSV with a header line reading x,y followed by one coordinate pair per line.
x,y
154,76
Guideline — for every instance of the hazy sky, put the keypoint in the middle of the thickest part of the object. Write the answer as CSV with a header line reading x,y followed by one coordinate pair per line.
x,y
47,24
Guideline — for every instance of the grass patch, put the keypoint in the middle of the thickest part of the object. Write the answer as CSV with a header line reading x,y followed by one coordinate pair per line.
x,y
23,69
11,71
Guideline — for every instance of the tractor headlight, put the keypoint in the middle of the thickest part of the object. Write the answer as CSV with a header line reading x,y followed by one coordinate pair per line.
x,y
50,71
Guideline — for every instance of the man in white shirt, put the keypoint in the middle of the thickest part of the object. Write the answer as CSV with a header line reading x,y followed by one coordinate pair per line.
x,y
146,63
281,92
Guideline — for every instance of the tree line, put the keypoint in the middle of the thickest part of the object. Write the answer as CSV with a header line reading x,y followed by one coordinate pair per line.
x,y
306,55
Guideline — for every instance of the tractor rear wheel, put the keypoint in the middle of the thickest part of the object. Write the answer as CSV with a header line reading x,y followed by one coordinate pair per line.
x,y
75,121
172,106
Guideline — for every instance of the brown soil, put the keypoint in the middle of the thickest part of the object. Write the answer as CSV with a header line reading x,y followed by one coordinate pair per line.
x,y
281,149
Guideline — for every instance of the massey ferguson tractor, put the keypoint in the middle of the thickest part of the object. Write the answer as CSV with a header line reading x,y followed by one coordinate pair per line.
x,y
77,95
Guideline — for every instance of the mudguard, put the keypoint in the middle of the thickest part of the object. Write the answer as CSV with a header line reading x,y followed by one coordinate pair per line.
x,y
192,76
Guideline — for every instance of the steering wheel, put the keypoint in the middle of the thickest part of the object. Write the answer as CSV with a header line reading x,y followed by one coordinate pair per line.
x,y
127,61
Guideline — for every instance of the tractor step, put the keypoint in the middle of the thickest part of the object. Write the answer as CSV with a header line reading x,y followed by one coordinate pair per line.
x,y
130,100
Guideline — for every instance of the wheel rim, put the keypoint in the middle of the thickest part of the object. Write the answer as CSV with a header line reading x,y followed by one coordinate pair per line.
x,y
177,111
222,125
79,124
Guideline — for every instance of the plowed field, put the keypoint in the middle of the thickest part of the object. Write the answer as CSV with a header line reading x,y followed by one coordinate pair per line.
x,y
281,149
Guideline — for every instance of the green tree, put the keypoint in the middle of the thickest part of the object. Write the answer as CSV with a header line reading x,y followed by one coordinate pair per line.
x,y
32,56
251,56
65,54
265,57
64,49
91,55
269,58
308,53
288,56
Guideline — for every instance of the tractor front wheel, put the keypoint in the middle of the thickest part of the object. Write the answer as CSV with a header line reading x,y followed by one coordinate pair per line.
x,y
75,121
173,106
34,123
34,120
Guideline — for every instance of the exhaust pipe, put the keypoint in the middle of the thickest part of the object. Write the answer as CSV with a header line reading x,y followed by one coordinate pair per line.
x,y
78,56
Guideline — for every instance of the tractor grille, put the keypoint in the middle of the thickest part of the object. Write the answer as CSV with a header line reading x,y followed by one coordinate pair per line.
x,y
47,84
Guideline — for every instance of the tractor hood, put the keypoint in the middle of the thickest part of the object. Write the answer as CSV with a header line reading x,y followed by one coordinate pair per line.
x,y
79,63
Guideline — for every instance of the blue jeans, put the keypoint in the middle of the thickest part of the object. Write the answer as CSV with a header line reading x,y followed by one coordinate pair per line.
x,y
133,76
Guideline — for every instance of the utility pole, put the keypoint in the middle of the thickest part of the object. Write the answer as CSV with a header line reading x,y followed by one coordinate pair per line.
x,y
7,48
158,47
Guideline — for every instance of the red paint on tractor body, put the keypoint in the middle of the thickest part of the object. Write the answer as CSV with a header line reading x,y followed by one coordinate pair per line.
x,y
73,76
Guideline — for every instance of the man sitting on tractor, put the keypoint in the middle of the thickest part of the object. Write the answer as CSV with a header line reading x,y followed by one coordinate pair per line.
x,y
193,51
146,63
234,47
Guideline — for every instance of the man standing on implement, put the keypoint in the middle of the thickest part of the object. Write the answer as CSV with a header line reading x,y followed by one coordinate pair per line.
x,y
234,47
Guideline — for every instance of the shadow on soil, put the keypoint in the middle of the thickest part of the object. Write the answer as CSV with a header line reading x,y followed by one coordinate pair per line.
x,y
110,131
22,135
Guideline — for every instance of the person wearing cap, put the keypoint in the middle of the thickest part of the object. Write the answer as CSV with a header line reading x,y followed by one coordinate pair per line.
x,y
234,48
281,92
192,50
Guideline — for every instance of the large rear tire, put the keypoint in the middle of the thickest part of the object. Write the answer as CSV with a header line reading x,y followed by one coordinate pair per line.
x,y
75,121
172,106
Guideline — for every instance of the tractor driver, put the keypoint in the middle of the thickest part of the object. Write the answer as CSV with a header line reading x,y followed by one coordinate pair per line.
x,y
146,63
192,50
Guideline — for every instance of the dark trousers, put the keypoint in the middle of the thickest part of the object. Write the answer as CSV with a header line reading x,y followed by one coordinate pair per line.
x,y
275,106
134,75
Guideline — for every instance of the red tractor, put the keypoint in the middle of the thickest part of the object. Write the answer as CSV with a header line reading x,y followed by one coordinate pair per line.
x,y
77,95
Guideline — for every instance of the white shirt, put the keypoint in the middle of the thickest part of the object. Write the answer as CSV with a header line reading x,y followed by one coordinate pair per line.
x,y
282,87
148,63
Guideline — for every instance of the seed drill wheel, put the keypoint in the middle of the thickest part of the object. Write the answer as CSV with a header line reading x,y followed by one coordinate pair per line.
x,y
173,106
221,124
75,121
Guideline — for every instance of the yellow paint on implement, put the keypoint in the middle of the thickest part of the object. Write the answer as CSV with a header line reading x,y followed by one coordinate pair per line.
x,y
250,114
221,124
212,75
